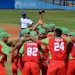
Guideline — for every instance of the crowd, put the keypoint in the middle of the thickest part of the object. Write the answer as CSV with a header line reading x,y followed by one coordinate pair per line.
x,y
41,46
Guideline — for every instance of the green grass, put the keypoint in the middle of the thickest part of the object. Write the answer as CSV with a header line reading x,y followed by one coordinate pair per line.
x,y
59,17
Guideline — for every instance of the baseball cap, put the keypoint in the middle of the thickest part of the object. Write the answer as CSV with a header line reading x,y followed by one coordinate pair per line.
x,y
51,24
45,25
23,13
33,33
39,26
72,34
41,30
65,30
25,31
48,26
4,35
2,30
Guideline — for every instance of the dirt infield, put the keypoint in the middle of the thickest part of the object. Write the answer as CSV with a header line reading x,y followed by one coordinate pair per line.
x,y
13,30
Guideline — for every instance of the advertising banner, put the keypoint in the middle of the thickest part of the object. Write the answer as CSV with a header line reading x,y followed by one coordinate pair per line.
x,y
41,4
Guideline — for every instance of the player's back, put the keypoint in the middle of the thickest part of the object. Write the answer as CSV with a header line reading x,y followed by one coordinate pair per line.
x,y
31,52
58,48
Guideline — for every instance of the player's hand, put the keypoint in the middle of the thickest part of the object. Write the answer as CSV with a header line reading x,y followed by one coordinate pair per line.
x,y
40,22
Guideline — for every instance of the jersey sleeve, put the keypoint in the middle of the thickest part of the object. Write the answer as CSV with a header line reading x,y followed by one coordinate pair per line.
x,y
21,40
45,41
5,49
30,22
22,49
68,39
70,56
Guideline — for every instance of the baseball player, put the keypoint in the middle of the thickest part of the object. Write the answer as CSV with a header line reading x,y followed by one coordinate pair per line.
x,y
16,58
25,22
44,51
16,61
31,58
71,61
4,50
58,49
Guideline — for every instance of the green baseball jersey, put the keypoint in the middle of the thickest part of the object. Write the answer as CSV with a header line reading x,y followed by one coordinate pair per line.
x,y
21,49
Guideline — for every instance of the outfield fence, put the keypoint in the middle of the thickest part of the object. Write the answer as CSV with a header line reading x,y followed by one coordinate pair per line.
x,y
37,4
45,4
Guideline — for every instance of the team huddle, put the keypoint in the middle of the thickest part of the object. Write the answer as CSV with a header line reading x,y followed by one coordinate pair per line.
x,y
42,47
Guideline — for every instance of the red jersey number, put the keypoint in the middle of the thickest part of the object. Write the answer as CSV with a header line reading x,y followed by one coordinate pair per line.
x,y
58,46
32,51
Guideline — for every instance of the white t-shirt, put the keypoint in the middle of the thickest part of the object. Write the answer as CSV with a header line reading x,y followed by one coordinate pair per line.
x,y
25,22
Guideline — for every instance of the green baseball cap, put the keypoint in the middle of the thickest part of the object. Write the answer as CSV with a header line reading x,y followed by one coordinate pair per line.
x,y
52,24
65,30
4,35
42,30
45,25
25,31
72,34
2,30
33,33
48,26
39,26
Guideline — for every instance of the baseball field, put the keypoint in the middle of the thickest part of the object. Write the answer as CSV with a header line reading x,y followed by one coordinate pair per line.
x,y
10,21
